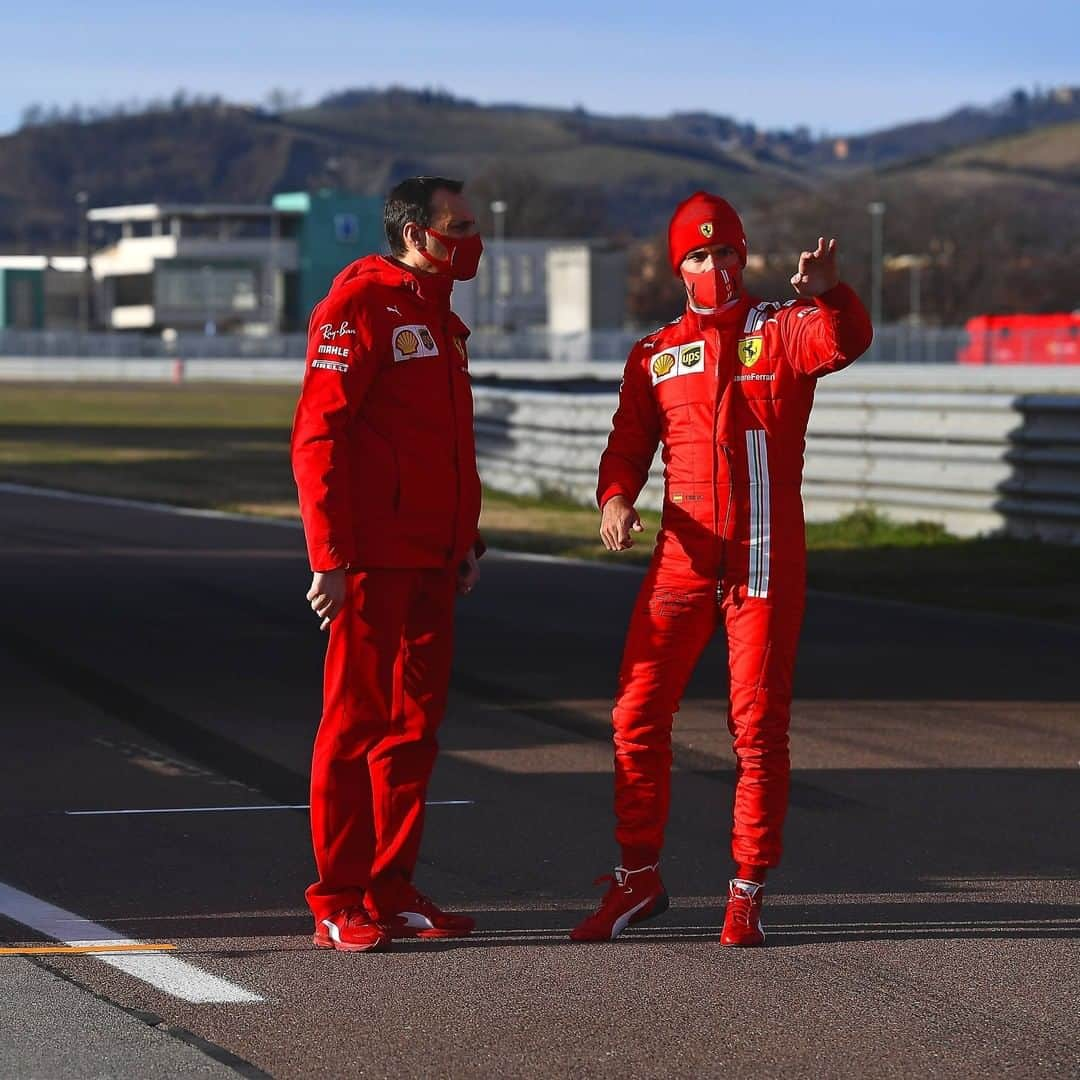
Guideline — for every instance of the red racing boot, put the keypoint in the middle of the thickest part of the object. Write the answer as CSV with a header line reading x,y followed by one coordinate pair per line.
x,y
742,920
632,897
351,930
406,913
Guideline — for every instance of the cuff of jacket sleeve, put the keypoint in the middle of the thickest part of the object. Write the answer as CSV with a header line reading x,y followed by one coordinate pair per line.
x,y
605,495
835,298
479,547
325,557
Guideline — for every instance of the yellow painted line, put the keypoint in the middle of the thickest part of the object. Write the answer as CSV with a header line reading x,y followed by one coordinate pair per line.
x,y
38,950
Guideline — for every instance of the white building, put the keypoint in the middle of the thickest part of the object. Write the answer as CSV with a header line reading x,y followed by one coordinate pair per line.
x,y
565,285
218,268
586,288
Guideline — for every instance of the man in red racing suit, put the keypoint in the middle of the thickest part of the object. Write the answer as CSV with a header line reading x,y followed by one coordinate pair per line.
x,y
727,389
385,467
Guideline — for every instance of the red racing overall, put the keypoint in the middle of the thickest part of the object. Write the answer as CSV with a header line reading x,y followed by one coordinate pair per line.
x,y
385,465
728,394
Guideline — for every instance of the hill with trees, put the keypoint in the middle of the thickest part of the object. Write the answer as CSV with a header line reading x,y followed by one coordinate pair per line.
x,y
996,187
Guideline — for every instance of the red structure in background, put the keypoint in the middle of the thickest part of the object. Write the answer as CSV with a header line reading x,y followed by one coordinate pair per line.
x,y
1022,339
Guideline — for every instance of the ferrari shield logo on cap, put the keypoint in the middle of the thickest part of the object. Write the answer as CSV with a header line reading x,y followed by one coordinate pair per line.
x,y
750,351
706,228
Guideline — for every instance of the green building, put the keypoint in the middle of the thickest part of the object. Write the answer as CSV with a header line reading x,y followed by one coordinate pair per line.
x,y
22,292
332,228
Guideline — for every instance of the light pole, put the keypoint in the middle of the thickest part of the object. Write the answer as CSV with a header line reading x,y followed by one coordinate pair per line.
x,y
81,199
877,232
914,265
498,210
206,275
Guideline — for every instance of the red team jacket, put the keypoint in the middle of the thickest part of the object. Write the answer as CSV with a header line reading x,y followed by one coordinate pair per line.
x,y
382,448
729,396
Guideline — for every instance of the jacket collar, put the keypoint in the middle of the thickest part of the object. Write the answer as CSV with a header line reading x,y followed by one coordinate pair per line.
x,y
722,319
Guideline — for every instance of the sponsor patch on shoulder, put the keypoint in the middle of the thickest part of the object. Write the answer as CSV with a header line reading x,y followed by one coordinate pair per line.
x,y
664,365
329,365
413,341
678,360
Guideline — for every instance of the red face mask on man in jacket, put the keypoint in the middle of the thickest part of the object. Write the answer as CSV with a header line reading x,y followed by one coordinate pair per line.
x,y
462,257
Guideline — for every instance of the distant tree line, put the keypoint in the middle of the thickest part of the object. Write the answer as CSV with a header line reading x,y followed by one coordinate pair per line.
x,y
37,114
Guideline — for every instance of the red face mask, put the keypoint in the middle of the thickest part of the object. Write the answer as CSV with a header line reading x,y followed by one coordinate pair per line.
x,y
462,255
712,288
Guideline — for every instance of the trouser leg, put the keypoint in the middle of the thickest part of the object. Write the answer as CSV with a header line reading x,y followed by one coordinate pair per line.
x,y
401,761
763,636
673,619
361,655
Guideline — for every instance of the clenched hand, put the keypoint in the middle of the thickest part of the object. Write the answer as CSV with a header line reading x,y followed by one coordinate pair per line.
x,y
468,574
617,521
327,595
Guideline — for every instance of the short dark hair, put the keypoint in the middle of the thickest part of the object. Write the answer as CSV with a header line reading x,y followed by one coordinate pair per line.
x,y
411,201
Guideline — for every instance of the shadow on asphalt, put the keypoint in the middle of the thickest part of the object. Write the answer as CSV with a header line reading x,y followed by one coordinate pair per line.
x,y
786,924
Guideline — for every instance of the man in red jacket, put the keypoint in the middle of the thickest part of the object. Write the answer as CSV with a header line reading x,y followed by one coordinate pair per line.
x,y
727,390
385,467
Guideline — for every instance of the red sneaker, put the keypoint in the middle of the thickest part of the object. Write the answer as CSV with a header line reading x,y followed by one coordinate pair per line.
x,y
407,913
632,897
742,920
350,930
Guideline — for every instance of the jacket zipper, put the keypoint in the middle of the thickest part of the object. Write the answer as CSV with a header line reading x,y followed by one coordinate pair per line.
x,y
719,446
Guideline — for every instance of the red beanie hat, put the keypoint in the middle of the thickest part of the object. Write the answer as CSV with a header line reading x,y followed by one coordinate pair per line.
x,y
704,219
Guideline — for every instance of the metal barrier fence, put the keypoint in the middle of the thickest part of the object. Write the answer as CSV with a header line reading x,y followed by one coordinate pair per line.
x,y
892,344
974,461
978,449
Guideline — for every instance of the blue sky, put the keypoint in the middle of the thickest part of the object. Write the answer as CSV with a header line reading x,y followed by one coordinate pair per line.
x,y
837,66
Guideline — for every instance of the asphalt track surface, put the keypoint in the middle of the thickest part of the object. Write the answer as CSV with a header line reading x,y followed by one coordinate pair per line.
x,y
925,920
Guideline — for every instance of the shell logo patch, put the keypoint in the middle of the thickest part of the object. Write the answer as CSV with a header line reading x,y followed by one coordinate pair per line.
x,y
459,344
407,343
706,228
750,350
413,341
678,360
663,365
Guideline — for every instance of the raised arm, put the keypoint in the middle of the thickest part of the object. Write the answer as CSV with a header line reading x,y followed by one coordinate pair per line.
x,y
834,329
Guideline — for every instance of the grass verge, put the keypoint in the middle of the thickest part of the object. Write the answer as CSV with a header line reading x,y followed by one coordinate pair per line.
x,y
226,447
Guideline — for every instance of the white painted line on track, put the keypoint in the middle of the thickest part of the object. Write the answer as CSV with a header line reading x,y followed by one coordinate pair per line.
x,y
140,504
231,809
166,973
